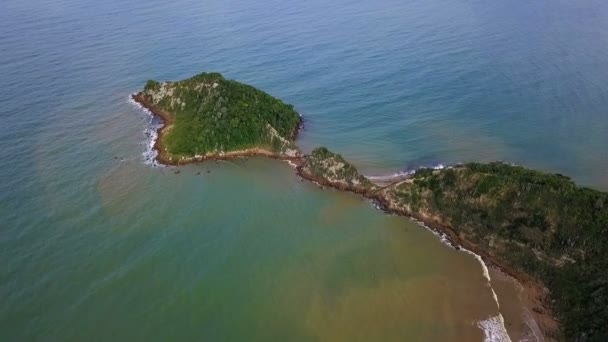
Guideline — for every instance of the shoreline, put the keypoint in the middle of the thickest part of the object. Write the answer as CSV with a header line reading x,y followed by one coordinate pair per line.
x,y
535,292
537,295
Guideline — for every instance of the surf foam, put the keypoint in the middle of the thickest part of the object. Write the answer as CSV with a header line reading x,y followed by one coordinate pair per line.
x,y
494,329
392,176
405,173
151,134
486,273
292,164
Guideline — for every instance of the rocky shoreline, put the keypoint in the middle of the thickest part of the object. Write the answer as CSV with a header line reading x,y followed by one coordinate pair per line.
x,y
537,295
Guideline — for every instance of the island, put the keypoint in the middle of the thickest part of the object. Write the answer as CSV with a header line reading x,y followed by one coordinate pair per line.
x,y
540,228
208,116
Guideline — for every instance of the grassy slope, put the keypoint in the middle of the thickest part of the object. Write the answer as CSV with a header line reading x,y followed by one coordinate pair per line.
x,y
213,114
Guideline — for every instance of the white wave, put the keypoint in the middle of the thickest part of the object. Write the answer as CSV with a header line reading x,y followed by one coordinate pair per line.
x,y
486,274
392,176
151,134
406,173
445,240
495,323
494,329
292,164
376,204
442,236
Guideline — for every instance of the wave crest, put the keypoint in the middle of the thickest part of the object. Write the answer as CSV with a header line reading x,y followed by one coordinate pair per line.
x,y
405,173
494,329
151,134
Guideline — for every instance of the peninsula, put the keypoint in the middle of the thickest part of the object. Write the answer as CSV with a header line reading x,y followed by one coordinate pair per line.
x,y
540,228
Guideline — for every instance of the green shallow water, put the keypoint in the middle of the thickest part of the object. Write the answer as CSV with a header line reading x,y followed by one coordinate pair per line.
x,y
245,252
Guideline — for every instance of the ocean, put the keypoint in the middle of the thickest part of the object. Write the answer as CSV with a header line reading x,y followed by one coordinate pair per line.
x,y
96,243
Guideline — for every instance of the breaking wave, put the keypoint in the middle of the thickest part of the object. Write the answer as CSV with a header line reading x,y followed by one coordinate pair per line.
x,y
494,329
151,134
405,173
292,164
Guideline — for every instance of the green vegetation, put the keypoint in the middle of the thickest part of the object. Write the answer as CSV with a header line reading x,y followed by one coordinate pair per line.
x,y
323,164
541,223
213,114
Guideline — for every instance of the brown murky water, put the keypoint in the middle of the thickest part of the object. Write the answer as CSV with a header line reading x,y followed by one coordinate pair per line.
x,y
320,265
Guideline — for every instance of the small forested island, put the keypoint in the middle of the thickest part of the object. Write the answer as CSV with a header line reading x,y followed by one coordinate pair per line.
x,y
208,116
540,228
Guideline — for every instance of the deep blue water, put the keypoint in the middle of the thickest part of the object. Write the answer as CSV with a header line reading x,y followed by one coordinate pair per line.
x,y
389,84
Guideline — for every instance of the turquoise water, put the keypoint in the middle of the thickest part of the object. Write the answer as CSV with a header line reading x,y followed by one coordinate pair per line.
x,y
96,244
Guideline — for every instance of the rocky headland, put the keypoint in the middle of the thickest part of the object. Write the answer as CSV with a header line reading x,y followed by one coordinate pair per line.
x,y
540,228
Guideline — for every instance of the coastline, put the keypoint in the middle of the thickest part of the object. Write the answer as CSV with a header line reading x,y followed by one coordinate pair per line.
x,y
535,293
164,158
